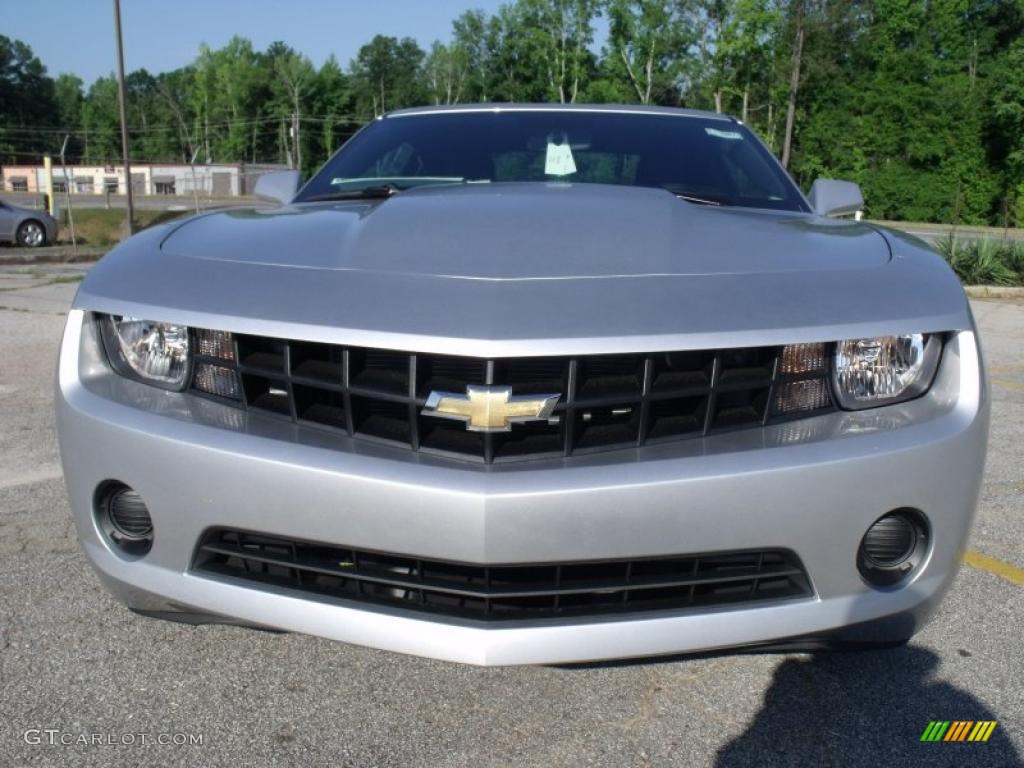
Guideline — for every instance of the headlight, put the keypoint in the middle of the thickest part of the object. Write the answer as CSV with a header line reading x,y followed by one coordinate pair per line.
x,y
156,353
884,370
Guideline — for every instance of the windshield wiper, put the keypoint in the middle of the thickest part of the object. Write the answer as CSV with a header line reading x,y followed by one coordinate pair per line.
x,y
698,200
386,187
683,194
376,192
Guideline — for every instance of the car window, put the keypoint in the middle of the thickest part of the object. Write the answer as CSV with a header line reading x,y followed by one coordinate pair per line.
x,y
750,173
709,159
399,161
592,167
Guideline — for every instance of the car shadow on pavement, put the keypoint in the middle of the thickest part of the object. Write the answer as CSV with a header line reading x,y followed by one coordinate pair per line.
x,y
866,708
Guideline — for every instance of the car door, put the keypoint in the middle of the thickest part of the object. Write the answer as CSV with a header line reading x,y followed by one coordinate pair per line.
x,y
6,222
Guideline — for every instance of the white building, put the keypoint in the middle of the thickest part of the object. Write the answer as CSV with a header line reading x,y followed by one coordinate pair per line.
x,y
220,180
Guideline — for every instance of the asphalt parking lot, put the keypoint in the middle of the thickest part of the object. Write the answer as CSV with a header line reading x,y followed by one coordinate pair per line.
x,y
75,662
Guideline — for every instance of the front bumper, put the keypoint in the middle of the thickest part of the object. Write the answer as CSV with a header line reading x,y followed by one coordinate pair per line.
x,y
812,486
50,225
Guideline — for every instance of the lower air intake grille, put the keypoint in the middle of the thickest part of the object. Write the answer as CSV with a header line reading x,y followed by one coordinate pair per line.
x,y
504,592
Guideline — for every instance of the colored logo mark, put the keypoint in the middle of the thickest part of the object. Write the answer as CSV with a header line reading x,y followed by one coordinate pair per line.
x,y
958,730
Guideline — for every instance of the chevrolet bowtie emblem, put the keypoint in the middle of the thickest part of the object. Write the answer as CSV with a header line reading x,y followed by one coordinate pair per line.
x,y
490,409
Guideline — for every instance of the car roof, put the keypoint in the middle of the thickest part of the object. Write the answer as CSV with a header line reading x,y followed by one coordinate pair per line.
x,y
637,109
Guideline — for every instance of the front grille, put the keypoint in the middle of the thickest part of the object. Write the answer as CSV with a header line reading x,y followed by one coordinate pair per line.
x,y
606,401
504,592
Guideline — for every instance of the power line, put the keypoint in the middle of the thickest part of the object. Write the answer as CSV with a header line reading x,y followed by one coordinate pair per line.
x,y
339,119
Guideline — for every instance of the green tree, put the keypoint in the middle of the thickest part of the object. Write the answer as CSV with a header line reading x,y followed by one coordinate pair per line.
x,y
516,71
469,37
742,55
70,102
1005,78
559,33
332,101
293,84
101,123
385,75
236,77
174,90
649,44
27,102
900,108
68,95
446,71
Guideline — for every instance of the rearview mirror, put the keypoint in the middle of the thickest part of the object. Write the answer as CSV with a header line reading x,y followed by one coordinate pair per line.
x,y
831,197
277,187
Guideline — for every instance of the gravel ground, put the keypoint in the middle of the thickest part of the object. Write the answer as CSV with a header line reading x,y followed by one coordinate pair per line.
x,y
75,662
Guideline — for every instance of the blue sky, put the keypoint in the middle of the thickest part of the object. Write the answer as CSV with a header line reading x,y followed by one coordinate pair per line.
x,y
78,35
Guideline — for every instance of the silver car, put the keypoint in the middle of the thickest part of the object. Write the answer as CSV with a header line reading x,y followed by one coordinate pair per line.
x,y
26,226
529,384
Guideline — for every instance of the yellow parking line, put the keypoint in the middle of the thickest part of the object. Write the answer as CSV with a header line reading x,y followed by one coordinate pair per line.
x,y
1007,384
1006,571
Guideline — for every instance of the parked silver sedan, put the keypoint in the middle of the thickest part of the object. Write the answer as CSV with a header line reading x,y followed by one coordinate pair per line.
x,y
26,226
530,384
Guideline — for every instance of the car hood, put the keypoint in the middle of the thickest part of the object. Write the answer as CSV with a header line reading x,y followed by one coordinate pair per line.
x,y
529,232
537,269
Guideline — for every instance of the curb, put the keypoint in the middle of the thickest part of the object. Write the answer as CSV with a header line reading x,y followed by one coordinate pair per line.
x,y
54,256
981,232
993,292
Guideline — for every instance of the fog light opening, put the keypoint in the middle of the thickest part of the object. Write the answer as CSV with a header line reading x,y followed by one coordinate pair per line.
x,y
124,518
893,547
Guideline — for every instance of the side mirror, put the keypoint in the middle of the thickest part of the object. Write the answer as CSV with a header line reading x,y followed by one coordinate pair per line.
x,y
830,197
277,187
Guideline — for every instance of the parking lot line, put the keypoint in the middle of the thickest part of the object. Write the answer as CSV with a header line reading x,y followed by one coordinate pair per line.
x,y
1007,384
1006,571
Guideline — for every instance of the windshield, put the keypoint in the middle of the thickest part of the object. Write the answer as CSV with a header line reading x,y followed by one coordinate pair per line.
x,y
709,160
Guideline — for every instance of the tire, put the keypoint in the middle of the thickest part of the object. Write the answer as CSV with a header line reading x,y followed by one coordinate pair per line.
x,y
31,234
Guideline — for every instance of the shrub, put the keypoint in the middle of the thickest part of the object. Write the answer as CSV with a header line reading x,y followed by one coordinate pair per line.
x,y
985,262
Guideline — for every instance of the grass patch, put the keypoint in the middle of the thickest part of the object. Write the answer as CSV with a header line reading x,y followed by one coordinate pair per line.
x,y
102,226
61,279
985,262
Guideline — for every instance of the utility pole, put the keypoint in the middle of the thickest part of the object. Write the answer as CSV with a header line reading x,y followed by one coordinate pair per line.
x,y
195,189
124,117
67,194
48,173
